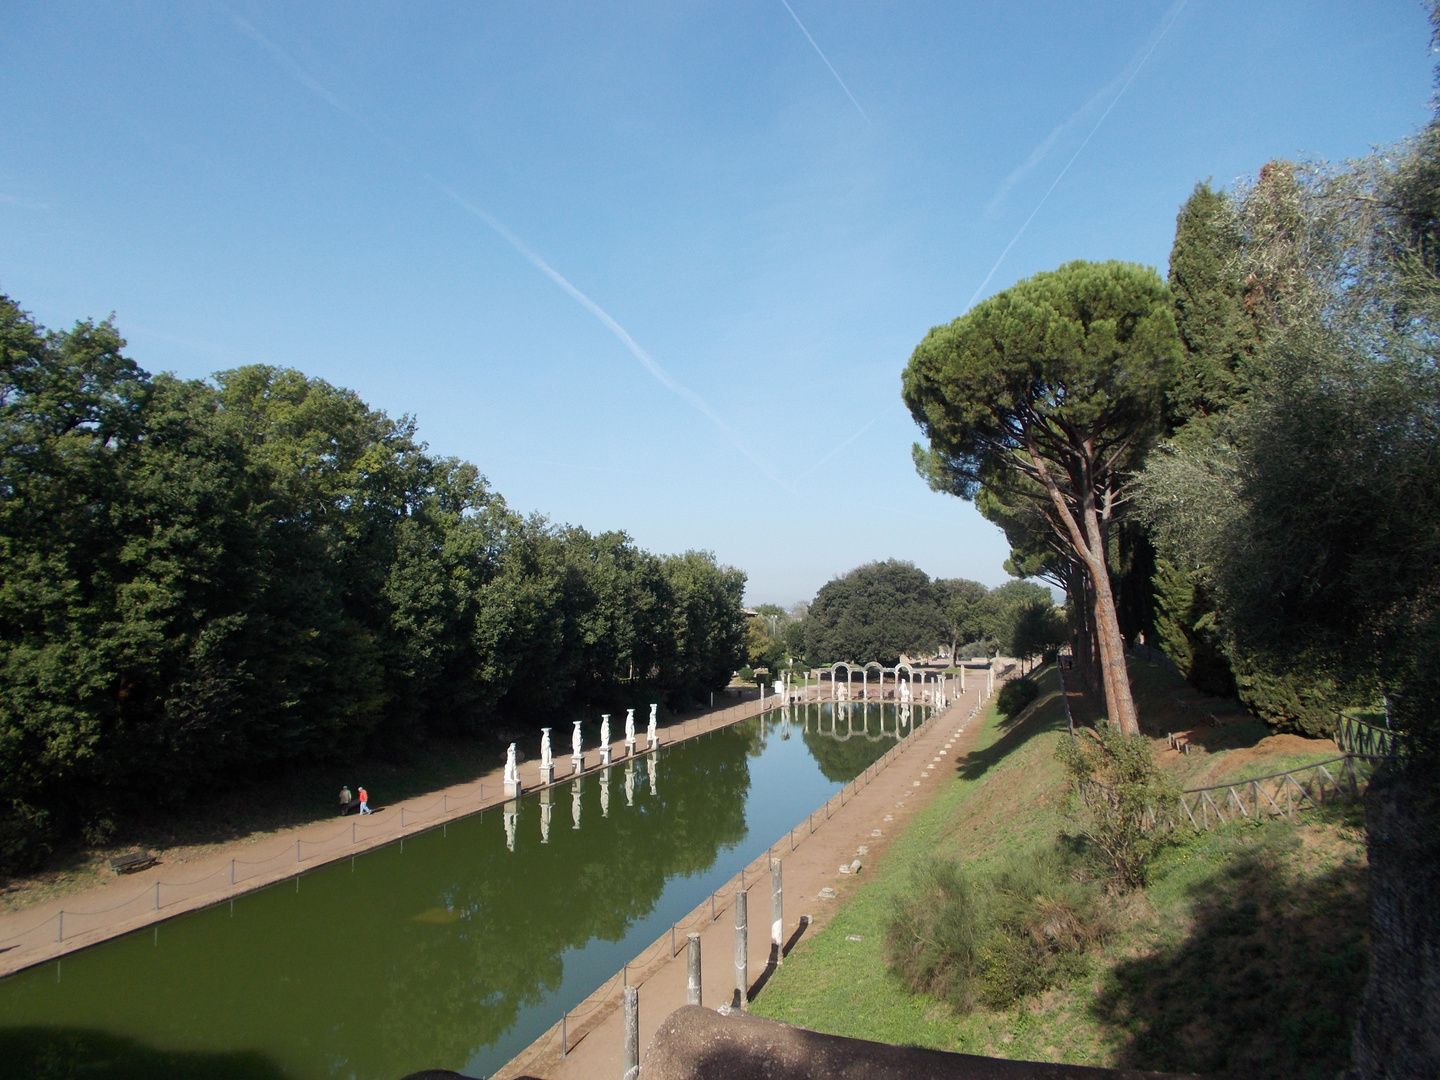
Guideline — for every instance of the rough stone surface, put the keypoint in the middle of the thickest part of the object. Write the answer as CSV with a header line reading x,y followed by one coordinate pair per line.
x,y
697,1044
1397,1032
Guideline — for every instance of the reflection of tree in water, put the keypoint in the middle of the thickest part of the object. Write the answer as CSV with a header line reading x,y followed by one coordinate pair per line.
x,y
417,959
464,983
56,1053
841,759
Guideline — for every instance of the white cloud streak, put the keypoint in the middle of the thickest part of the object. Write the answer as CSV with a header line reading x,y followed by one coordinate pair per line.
x,y
867,426
665,379
826,59
1124,79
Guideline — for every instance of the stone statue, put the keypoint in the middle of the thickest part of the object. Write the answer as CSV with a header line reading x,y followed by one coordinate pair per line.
x,y
629,731
512,771
652,737
546,760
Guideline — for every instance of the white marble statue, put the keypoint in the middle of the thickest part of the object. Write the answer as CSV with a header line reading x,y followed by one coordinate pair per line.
x,y
629,731
652,736
512,771
546,760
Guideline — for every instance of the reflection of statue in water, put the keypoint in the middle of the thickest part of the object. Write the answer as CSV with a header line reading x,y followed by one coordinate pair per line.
x,y
575,804
511,809
545,811
652,736
630,784
605,793
654,768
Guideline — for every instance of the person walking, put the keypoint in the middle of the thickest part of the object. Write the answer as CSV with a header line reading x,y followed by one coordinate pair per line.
x,y
344,797
364,801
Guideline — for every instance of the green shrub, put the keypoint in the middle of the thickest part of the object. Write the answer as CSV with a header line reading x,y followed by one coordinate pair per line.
x,y
1121,792
1016,694
991,939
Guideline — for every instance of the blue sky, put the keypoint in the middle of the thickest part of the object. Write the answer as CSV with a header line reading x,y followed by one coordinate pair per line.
x,y
651,266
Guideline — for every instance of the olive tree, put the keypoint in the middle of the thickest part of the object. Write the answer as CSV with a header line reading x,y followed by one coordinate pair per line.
x,y
1054,386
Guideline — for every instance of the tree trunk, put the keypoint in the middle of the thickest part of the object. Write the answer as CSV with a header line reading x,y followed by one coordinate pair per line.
x,y
1088,539
1119,702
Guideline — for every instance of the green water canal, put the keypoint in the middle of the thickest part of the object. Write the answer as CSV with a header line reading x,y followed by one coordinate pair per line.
x,y
454,950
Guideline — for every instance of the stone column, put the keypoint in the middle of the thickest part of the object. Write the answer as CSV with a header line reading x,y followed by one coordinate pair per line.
x,y
742,952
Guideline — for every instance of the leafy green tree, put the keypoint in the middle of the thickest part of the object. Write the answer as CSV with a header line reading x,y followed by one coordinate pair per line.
x,y
968,614
199,580
876,612
1059,380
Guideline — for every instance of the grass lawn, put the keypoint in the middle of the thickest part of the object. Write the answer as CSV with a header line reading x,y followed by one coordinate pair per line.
x,y
1245,954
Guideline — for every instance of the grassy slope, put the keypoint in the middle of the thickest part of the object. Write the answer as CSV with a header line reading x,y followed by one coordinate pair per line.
x,y
1246,953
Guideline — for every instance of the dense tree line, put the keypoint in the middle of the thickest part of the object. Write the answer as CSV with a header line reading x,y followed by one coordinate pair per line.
x,y
882,610
198,579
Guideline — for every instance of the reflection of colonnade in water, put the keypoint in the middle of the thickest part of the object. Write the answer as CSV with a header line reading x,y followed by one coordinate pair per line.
x,y
847,712
637,771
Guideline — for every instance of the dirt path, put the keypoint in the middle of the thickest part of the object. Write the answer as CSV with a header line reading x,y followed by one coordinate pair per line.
x,y
50,928
875,808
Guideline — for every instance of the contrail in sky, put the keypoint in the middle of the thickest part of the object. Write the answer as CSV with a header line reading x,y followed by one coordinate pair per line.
x,y
1133,69
529,254
825,58
847,442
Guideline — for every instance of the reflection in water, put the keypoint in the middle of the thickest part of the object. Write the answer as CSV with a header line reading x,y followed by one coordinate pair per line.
x,y
454,950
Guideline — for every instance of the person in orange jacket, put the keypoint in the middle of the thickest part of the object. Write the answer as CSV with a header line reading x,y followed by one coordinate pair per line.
x,y
364,801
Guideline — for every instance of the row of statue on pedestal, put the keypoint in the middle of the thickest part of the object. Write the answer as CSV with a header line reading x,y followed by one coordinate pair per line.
x,y
577,753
